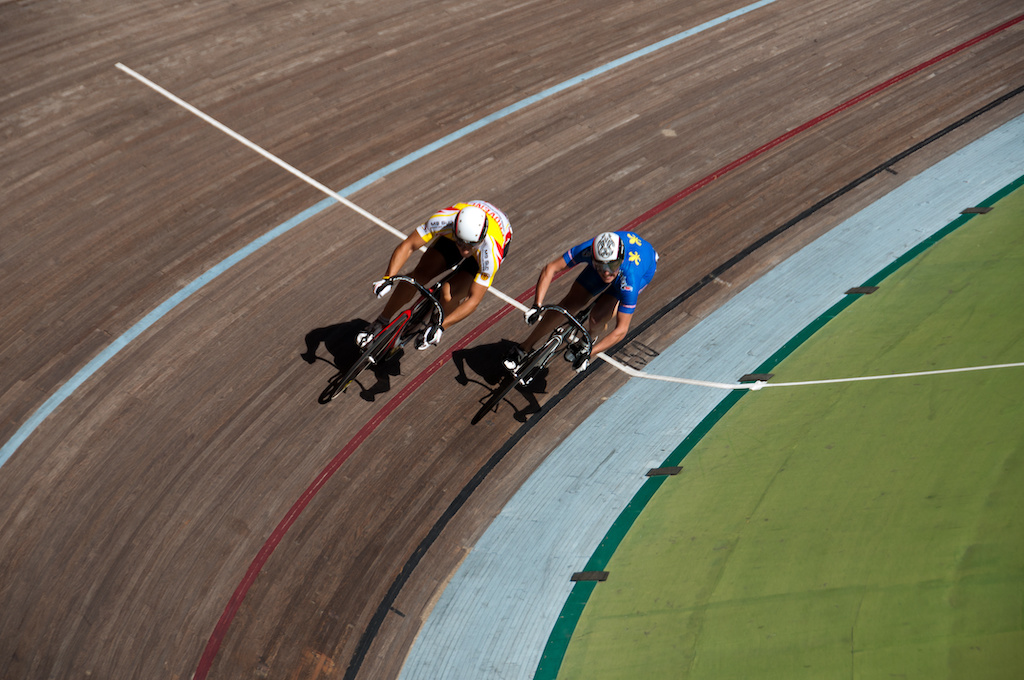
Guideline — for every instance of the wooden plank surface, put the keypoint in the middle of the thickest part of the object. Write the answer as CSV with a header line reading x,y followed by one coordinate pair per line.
x,y
131,515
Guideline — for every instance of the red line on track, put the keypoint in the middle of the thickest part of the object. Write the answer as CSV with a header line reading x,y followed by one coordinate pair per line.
x,y
213,645
221,629
664,205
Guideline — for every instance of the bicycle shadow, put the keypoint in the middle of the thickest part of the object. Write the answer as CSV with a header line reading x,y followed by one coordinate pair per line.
x,y
485,362
339,340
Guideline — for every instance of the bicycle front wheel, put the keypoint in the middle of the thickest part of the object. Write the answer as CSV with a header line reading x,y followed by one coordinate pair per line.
x,y
332,389
535,361
421,316
493,401
373,354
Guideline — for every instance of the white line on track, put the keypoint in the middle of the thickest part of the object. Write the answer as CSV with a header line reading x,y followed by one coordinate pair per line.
x,y
108,352
290,168
381,223
260,150
759,384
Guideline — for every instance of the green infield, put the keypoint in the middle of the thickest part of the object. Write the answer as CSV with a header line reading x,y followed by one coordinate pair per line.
x,y
856,530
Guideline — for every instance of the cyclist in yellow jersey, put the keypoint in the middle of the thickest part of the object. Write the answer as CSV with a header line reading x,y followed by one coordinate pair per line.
x,y
475,234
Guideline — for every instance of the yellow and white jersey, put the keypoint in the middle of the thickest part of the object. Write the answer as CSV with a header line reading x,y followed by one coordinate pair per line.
x,y
490,251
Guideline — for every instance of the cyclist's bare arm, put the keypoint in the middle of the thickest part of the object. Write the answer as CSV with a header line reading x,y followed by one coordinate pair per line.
x,y
547,275
404,294
618,333
405,249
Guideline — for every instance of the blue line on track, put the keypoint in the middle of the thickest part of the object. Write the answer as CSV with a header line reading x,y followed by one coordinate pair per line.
x,y
51,404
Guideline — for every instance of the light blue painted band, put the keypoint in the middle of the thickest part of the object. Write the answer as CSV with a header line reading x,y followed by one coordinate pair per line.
x,y
65,390
551,91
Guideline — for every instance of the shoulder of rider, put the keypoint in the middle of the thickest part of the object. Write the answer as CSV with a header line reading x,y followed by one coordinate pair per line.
x,y
439,221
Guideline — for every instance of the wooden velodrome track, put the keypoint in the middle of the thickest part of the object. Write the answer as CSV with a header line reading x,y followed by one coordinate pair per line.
x,y
130,516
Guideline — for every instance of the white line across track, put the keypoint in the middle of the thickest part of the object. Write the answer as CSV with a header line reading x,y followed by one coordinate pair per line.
x,y
632,372
277,161
759,384
260,150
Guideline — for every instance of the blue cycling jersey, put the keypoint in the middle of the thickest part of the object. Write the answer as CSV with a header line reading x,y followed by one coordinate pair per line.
x,y
638,266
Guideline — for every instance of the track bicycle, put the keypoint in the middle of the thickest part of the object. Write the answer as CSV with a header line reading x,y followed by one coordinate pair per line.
x,y
571,338
425,313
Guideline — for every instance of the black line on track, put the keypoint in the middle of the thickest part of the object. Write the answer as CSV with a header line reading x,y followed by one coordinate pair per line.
x,y
460,500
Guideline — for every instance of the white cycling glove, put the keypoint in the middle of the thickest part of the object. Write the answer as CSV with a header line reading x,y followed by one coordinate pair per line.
x,y
532,314
382,287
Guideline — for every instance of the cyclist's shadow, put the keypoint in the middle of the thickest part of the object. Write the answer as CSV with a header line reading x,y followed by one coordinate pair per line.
x,y
340,342
485,362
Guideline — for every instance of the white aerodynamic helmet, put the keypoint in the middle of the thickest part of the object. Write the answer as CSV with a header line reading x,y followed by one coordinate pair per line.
x,y
608,251
471,225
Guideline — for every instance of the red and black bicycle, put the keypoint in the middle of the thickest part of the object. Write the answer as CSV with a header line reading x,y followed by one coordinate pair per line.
x,y
425,313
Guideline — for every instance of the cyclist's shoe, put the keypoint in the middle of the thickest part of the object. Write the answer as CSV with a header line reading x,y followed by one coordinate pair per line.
x,y
514,358
364,337
428,337
576,349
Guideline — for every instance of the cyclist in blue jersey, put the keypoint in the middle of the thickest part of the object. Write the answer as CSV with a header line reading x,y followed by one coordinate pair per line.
x,y
619,265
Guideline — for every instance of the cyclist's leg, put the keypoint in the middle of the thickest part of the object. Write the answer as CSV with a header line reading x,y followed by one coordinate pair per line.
x,y
602,313
439,257
456,289
612,301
